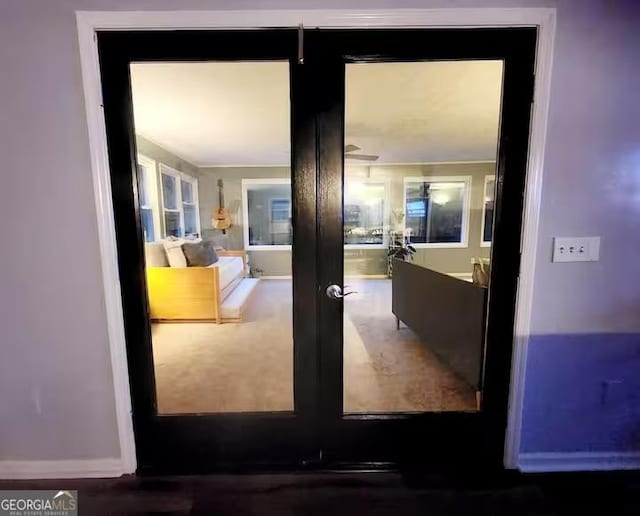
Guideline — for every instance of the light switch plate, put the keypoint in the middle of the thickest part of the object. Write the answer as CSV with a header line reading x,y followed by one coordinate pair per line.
x,y
576,249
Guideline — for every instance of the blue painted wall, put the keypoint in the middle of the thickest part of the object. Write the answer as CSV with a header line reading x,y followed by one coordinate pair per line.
x,y
582,393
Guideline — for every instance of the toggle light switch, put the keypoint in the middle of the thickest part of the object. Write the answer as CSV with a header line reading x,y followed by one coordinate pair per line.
x,y
576,249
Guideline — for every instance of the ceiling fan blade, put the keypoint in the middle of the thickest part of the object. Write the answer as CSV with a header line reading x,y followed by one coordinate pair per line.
x,y
362,157
350,147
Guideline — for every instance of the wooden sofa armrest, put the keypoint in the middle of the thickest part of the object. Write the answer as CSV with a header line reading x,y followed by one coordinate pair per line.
x,y
236,252
189,293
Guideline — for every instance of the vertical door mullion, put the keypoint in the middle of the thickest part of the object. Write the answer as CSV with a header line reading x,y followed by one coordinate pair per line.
x,y
330,134
304,250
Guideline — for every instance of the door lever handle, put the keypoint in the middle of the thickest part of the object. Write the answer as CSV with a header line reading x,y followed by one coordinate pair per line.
x,y
335,292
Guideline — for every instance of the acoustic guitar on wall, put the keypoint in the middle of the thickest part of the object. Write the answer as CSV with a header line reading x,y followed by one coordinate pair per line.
x,y
221,218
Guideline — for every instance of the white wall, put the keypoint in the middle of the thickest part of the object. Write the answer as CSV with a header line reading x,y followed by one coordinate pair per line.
x,y
56,393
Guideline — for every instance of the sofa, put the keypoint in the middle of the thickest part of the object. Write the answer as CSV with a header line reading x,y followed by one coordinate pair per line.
x,y
448,313
195,293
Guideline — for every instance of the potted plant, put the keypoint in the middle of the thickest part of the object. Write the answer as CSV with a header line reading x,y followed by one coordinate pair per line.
x,y
399,247
255,272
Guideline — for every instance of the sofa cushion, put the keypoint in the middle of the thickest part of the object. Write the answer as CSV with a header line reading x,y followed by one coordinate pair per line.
x,y
155,255
200,254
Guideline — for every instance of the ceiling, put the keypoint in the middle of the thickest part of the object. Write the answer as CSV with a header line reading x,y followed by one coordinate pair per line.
x,y
237,114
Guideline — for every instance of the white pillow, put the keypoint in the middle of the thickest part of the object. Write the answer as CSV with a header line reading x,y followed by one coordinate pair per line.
x,y
174,252
155,255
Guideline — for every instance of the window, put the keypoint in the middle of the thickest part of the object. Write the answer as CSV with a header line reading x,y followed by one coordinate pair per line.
x,y
487,210
266,205
147,198
179,203
188,188
280,210
437,210
364,213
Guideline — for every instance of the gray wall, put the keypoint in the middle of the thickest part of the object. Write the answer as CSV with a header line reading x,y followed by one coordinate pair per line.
x,y
449,260
161,155
357,261
273,263
56,391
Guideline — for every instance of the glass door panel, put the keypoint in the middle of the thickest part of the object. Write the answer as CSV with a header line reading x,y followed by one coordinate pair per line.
x,y
421,143
216,140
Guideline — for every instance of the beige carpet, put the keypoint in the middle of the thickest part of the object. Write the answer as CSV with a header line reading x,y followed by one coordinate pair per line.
x,y
248,366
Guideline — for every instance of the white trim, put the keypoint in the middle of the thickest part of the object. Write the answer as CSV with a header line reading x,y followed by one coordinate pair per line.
x,y
364,247
154,205
546,23
38,469
466,209
578,461
150,164
90,65
90,21
166,170
242,19
178,176
193,181
487,178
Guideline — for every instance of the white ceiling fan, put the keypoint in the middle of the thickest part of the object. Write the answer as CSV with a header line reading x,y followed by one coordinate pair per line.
x,y
350,148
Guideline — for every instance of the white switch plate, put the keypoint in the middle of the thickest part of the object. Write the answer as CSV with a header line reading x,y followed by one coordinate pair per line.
x,y
576,249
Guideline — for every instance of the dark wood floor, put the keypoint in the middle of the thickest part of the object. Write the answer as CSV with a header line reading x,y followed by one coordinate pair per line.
x,y
336,494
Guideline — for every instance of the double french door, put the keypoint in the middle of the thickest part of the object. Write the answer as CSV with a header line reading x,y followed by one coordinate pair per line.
x,y
406,154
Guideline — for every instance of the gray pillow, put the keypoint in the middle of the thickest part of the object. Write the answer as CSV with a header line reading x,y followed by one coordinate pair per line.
x,y
200,254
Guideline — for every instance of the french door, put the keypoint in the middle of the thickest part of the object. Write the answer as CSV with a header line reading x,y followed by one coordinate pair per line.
x,y
350,395
438,307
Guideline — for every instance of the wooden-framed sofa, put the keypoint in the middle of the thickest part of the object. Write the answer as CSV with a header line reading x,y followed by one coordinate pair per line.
x,y
196,293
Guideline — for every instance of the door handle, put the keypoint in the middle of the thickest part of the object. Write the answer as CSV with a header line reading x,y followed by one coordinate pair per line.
x,y
335,292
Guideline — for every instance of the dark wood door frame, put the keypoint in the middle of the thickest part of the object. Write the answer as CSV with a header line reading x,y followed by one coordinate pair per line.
x,y
292,440
194,443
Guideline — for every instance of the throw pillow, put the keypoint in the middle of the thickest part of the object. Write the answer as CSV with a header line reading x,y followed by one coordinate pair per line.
x,y
201,254
175,255
155,255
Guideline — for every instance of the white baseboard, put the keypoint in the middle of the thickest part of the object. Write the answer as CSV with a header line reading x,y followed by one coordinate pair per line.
x,y
578,461
36,469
